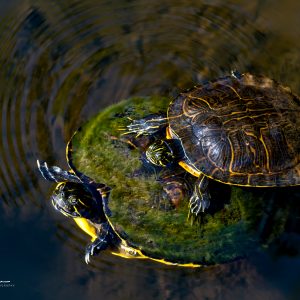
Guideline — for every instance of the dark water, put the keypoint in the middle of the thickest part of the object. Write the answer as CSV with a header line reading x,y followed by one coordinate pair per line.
x,y
63,61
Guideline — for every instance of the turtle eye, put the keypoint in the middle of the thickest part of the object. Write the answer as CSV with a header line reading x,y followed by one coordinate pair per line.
x,y
60,196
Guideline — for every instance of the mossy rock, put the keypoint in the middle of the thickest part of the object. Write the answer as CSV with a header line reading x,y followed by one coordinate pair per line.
x,y
142,214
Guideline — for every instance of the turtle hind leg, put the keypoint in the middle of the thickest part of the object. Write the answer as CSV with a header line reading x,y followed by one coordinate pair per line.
x,y
200,198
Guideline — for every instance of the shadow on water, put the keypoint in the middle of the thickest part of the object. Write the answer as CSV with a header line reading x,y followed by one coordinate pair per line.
x,y
64,61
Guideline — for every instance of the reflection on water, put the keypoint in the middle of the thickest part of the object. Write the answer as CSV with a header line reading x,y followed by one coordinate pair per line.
x,y
62,62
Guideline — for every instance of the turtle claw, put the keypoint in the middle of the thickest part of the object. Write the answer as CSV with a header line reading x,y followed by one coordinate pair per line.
x,y
87,258
199,203
44,170
94,248
200,199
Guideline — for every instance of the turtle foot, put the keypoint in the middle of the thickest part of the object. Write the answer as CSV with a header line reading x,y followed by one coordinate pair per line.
x,y
145,126
55,173
99,244
95,248
199,203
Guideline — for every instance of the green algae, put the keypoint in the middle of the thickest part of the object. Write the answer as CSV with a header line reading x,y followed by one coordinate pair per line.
x,y
140,212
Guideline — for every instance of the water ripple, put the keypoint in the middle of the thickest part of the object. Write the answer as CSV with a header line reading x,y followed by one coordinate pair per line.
x,y
63,61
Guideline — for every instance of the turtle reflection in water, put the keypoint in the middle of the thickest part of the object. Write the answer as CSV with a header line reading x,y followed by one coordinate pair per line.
x,y
239,130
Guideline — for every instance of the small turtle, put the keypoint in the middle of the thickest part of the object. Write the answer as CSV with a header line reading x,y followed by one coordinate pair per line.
x,y
79,197
240,130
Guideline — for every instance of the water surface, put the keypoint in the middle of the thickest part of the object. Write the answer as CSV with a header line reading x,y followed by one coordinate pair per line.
x,y
61,63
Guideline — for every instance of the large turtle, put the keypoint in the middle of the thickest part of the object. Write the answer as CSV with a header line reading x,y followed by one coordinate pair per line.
x,y
240,130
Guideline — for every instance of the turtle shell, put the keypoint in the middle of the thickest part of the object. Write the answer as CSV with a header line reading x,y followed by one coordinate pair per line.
x,y
240,130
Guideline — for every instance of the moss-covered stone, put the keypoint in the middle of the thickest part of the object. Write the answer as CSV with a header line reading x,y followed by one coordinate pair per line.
x,y
143,215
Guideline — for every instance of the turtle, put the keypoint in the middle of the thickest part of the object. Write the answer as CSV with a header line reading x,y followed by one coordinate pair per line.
x,y
78,196
239,130
239,122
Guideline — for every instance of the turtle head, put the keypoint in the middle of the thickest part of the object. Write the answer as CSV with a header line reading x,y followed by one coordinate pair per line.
x,y
73,200
164,152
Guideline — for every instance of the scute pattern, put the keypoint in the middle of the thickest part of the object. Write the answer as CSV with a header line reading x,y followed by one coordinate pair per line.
x,y
241,131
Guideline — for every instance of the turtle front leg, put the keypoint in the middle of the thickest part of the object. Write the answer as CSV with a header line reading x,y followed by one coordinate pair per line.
x,y
146,126
200,199
102,242
56,174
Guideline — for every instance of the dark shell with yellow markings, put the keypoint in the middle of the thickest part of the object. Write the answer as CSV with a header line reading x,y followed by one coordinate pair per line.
x,y
240,130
